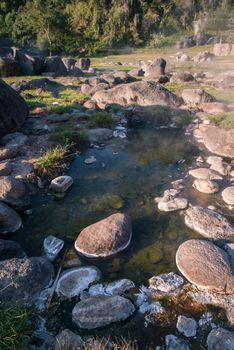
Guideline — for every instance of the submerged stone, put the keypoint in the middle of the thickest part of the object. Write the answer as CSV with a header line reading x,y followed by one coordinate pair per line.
x,y
206,186
52,247
165,283
205,174
74,281
173,204
187,326
101,310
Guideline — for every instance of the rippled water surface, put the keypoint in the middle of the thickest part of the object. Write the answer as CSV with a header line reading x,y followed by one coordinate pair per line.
x,y
128,175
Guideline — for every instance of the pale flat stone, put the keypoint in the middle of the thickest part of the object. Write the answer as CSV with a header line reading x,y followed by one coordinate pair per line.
x,y
205,174
206,186
228,195
61,183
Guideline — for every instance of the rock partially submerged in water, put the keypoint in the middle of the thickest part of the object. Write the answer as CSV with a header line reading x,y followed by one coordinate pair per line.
x,y
205,265
102,310
24,280
173,204
187,326
206,186
228,195
99,134
10,221
208,223
220,339
166,283
52,246
205,174
61,183
74,281
113,288
106,237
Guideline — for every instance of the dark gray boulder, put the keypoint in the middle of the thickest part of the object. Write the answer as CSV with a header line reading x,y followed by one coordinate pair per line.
x,y
13,109
14,192
220,339
24,279
55,65
10,221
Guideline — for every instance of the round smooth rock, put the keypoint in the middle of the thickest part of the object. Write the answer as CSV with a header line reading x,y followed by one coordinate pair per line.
x,y
67,340
175,343
208,223
187,326
74,281
205,174
14,192
101,310
228,195
106,237
205,265
5,168
10,221
220,339
206,186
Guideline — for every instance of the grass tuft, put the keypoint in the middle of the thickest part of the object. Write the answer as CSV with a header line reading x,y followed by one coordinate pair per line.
x,y
15,329
117,344
51,160
225,120
100,120
64,135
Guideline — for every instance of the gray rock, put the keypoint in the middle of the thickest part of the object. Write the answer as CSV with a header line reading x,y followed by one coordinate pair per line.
x,y
10,221
172,204
5,168
67,340
228,195
106,237
74,281
8,152
90,160
205,174
175,343
15,139
10,249
206,186
205,320
61,183
52,246
205,265
156,69
119,287
165,283
187,326
55,65
220,339
208,223
102,310
194,97
24,279
14,192
229,249
14,109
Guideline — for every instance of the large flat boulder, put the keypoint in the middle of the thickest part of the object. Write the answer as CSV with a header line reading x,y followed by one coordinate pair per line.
x,y
24,279
208,223
106,237
143,93
218,140
101,310
13,109
205,265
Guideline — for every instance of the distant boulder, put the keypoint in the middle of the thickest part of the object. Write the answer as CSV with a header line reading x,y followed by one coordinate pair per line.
x,y
84,63
186,42
8,65
29,63
55,65
156,69
13,109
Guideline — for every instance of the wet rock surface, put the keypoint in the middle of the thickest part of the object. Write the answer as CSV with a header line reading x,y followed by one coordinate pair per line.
x,y
208,223
228,195
74,281
176,343
206,186
100,311
205,174
67,340
106,237
52,246
205,265
14,192
166,283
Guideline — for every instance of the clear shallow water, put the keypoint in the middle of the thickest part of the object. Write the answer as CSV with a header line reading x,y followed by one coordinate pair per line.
x,y
136,170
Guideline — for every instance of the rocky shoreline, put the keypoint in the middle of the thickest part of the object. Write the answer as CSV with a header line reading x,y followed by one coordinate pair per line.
x,y
206,265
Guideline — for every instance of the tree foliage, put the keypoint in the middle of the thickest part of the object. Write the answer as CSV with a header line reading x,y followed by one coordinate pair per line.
x,y
88,26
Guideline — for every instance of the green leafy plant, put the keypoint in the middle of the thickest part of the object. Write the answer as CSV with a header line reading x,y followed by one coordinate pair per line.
x,y
51,160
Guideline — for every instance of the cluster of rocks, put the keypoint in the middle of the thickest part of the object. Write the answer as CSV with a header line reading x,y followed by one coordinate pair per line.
x,y
198,39
204,56
14,61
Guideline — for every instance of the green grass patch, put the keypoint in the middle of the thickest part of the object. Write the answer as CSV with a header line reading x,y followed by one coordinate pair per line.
x,y
100,120
222,95
15,327
118,344
225,120
64,135
51,160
